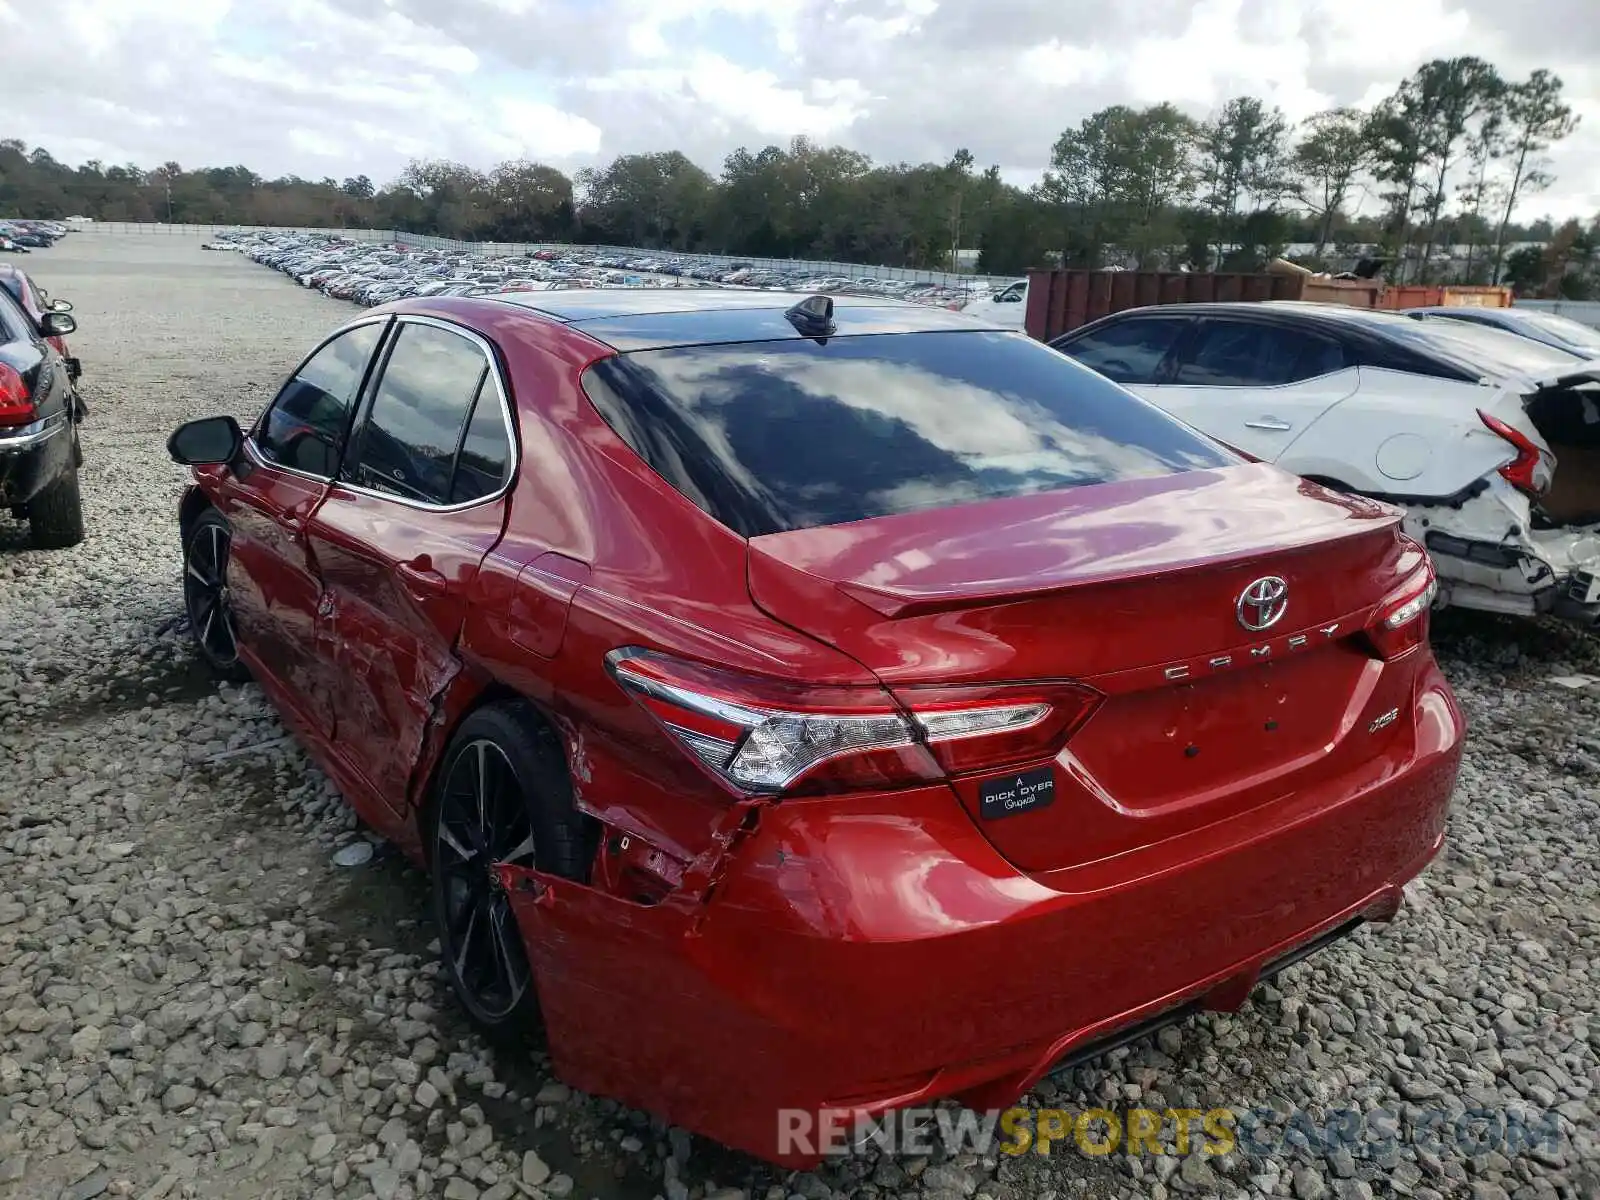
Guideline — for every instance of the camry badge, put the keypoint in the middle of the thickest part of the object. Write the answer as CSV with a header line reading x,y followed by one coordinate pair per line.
x,y
1262,604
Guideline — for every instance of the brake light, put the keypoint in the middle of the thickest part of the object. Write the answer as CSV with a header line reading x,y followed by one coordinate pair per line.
x,y
1523,471
1400,623
986,727
16,405
761,736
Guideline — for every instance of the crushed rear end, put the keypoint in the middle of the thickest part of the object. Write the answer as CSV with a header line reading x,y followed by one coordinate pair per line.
x,y
1525,538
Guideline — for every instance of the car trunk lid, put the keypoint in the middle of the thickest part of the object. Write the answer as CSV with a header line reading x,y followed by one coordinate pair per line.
x,y
1139,590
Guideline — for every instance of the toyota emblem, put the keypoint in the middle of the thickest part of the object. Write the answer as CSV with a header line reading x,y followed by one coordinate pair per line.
x,y
1263,603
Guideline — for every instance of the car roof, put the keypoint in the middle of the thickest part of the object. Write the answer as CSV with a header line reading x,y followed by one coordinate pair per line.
x,y
1311,313
629,319
1465,312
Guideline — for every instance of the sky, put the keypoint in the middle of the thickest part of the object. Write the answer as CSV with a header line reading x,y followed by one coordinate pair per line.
x,y
345,87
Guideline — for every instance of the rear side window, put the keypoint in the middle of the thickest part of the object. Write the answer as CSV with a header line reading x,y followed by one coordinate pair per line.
x,y
16,324
1250,354
485,458
414,426
774,436
1127,351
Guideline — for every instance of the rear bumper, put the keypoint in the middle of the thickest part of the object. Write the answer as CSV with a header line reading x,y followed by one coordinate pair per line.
x,y
1482,566
882,954
33,457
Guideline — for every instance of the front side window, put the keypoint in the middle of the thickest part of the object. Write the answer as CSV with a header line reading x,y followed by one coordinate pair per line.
x,y
1250,354
306,427
408,442
1128,351
780,435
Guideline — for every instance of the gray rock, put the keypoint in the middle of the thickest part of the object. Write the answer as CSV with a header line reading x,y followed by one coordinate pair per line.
x,y
1308,1185
272,1061
534,1169
553,1092
408,1158
88,1189
948,1179
393,1133
1197,1173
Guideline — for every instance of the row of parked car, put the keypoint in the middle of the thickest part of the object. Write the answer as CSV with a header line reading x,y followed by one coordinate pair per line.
x,y
370,273
19,236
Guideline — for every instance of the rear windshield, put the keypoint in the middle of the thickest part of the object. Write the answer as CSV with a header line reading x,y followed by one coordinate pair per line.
x,y
1565,328
1497,351
773,436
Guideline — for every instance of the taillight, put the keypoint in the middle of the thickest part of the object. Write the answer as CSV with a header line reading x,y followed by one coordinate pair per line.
x,y
16,405
1400,623
1524,472
984,727
762,736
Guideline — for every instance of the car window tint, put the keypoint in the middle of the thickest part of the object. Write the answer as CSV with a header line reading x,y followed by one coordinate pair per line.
x,y
485,456
306,426
1127,351
14,320
772,436
409,439
1249,354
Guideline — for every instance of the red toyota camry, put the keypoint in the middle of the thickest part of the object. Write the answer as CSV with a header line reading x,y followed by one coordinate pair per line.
x,y
819,705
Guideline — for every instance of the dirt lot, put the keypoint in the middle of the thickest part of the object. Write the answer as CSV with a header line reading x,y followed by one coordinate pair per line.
x,y
194,1001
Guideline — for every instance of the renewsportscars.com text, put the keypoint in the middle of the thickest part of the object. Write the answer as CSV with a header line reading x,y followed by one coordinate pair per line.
x,y
1259,1132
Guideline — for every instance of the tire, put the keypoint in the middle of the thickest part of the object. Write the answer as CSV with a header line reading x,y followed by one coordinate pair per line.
x,y
525,816
205,595
55,515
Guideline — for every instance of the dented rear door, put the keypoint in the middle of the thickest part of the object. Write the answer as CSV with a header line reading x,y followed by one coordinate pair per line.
x,y
399,539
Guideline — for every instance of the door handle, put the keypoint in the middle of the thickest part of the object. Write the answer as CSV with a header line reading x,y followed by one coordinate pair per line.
x,y
1273,423
420,579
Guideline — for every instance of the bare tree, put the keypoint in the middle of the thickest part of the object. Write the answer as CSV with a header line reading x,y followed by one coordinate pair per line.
x,y
1536,118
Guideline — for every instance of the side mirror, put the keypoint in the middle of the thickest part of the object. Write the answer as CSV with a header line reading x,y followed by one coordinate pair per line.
x,y
62,306
206,441
57,324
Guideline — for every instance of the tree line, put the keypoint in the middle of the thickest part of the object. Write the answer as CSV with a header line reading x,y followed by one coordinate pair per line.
x,y
1448,161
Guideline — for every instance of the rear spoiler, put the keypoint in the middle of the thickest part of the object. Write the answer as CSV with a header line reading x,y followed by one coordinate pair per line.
x,y
1589,372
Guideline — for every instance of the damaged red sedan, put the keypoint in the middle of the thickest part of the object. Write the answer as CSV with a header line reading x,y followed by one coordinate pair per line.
x,y
818,705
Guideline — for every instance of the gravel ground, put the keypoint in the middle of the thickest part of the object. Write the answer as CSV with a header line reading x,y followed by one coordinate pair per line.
x,y
194,1001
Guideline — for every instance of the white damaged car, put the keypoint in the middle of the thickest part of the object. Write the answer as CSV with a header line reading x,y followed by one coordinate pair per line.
x,y
1489,441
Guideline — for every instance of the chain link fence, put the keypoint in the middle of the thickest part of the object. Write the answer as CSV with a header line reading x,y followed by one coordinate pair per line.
x,y
724,262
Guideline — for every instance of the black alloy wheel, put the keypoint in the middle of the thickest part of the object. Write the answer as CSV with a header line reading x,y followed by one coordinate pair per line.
x,y
205,594
502,795
482,821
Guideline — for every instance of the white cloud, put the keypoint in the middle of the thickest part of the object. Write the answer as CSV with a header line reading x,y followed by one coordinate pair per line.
x,y
347,87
